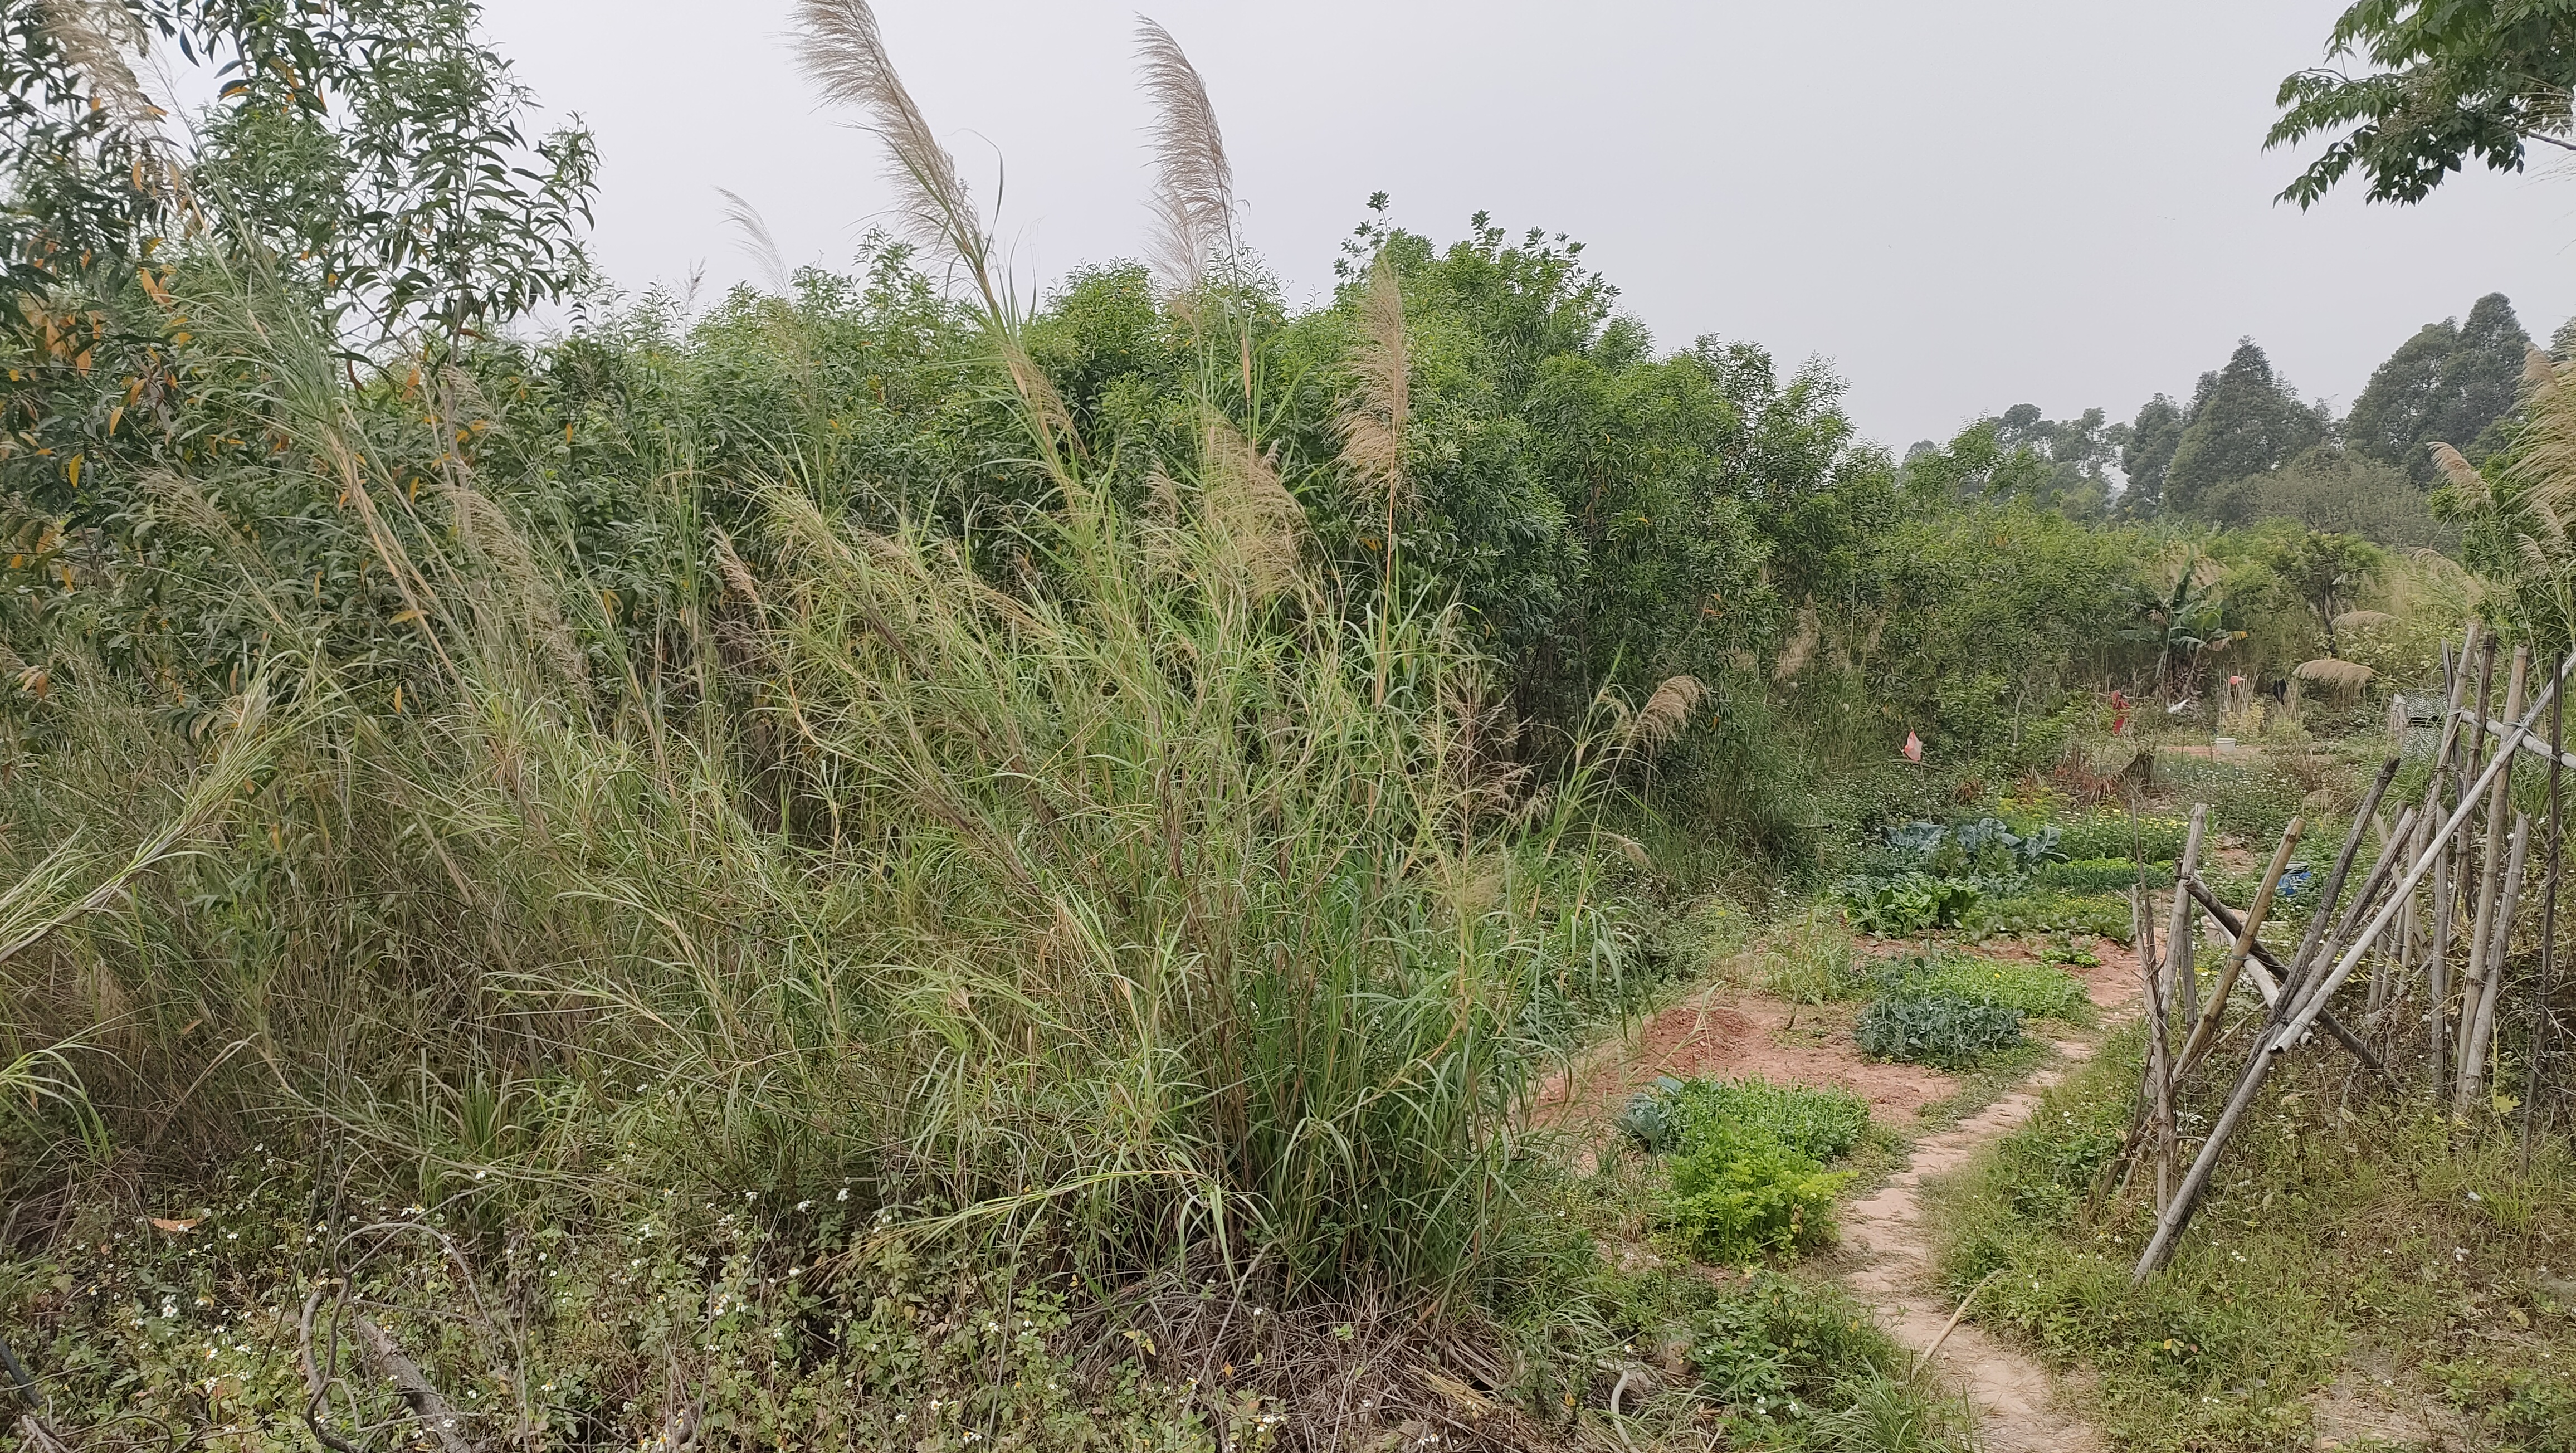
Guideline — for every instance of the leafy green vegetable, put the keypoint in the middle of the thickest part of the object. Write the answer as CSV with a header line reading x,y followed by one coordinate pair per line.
x,y
1904,903
1949,1031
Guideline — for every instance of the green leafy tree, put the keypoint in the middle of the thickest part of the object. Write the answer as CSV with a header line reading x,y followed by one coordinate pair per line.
x,y
2441,82
2337,490
2148,453
2326,570
2243,421
2450,384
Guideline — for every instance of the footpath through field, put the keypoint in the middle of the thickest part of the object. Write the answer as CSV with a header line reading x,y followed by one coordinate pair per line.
x,y
1886,1256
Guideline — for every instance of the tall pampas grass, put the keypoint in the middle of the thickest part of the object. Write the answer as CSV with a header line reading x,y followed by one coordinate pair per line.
x,y
1375,417
1193,181
1667,711
96,36
1249,515
756,240
843,52
2520,518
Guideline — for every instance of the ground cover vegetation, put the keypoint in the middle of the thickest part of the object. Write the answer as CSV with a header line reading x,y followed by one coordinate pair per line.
x,y
905,859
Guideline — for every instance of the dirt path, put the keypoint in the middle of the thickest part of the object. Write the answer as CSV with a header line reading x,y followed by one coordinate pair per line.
x,y
1883,1232
1886,1248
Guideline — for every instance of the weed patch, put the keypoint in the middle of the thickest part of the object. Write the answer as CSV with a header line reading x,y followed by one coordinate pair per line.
x,y
2335,1239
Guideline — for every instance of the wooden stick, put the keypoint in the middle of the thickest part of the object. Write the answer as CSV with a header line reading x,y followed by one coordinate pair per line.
x,y
2368,898
2490,864
2271,988
2548,939
2389,969
1953,1324
2473,1056
2532,747
2332,893
2437,953
2178,966
2206,1031
2267,1049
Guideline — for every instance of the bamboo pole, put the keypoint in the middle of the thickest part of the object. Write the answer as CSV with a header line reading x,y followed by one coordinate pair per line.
x,y
2263,966
2177,961
2301,1019
2473,986
2437,953
2473,1055
2547,984
2332,894
2205,1031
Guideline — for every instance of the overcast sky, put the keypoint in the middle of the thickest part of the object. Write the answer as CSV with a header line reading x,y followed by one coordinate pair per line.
x,y
1963,206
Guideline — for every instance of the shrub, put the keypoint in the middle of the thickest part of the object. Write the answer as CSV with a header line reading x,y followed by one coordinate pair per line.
x,y
1944,1030
2102,875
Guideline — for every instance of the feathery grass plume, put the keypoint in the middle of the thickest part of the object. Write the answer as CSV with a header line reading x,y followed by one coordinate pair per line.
x,y
2362,620
1802,643
757,241
1193,181
842,51
1667,711
2335,674
2522,514
1251,519
96,36
1374,419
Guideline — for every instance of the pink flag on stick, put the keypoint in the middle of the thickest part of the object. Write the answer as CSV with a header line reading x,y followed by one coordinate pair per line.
x,y
1913,747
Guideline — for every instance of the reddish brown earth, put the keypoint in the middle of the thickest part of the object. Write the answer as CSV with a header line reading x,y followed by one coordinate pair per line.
x,y
1728,1033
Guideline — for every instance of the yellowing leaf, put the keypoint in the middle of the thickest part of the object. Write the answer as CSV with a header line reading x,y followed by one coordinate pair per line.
x,y
408,616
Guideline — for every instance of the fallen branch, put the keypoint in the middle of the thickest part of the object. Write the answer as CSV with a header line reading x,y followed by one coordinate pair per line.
x,y
436,1417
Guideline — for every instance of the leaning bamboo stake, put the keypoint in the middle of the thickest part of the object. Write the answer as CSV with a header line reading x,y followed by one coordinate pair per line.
x,y
2204,1033
2155,1095
2268,1048
2473,1052
2437,953
2473,985
2332,893
2262,966
2547,984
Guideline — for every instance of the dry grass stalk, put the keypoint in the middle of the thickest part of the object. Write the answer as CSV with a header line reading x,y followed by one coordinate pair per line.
x,y
1193,181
